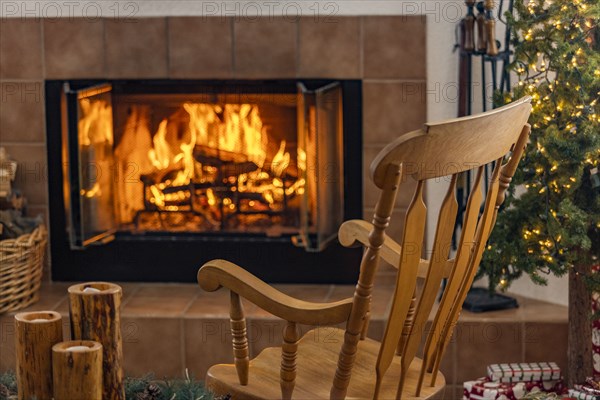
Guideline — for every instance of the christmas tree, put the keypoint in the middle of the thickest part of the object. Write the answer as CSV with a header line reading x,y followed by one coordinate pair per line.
x,y
551,222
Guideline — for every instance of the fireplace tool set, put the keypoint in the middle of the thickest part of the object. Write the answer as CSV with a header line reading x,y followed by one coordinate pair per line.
x,y
478,39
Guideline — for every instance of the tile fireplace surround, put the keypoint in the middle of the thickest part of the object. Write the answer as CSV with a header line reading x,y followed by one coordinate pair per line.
x,y
388,53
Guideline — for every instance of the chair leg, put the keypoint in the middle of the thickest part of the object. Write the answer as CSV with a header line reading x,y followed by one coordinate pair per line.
x,y
289,350
240,340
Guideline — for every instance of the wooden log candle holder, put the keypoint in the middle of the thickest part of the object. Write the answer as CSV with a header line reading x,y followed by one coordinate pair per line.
x,y
77,370
94,308
36,333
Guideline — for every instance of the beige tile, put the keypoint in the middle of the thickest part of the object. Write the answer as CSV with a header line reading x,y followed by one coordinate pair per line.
x,y
167,301
539,311
386,275
31,176
376,328
391,109
529,310
22,111
329,48
314,293
207,342
74,48
21,49
136,48
341,292
380,301
265,48
153,345
394,47
546,342
453,392
371,192
479,344
448,364
200,47
51,295
211,305
264,333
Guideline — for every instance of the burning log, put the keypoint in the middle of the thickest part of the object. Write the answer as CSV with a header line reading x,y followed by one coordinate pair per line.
x,y
216,157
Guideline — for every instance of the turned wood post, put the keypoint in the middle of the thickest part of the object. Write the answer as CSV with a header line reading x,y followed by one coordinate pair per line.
x,y
240,340
77,370
364,287
289,351
36,333
94,308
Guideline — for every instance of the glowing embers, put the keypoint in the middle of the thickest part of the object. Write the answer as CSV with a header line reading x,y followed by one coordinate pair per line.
x,y
209,167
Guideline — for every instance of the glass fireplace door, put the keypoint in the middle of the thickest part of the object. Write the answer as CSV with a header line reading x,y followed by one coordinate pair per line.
x,y
233,161
320,141
88,164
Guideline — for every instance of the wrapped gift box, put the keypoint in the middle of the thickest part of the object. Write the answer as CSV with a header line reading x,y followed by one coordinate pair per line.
x,y
582,395
524,372
590,390
485,389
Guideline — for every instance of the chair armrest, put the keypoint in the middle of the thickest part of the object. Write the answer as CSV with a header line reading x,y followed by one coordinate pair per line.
x,y
220,273
357,231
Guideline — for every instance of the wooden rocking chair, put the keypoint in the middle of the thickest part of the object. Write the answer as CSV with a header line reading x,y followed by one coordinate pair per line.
x,y
346,363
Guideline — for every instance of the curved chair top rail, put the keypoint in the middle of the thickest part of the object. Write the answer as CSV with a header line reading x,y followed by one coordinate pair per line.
x,y
456,145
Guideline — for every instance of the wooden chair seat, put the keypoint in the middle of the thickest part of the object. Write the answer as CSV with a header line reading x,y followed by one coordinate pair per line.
x,y
318,352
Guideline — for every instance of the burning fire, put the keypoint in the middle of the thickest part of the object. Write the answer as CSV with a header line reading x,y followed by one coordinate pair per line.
x,y
95,127
207,153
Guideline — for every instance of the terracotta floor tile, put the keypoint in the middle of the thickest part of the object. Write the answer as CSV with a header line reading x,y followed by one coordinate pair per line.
x,y
210,305
314,293
161,300
207,342
479,344
546,342
153,345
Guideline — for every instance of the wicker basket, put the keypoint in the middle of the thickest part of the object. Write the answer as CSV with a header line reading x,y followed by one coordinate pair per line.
x,y
21,263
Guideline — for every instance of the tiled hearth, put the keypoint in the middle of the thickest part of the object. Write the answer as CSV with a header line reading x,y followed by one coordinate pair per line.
x,y
168,328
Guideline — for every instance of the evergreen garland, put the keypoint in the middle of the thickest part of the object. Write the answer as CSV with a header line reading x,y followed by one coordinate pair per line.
x,y
146,388
553,224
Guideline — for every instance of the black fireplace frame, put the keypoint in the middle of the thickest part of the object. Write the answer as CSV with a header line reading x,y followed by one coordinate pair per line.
x,y
176,257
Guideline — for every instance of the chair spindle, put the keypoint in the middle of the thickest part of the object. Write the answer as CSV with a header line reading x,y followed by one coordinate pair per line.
x,y
289,351
364,287
240,339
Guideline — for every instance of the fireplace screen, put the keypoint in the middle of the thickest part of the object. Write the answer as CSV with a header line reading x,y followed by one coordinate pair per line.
x,y
240,160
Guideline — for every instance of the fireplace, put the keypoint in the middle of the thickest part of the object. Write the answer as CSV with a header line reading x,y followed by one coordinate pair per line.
x,y
148,179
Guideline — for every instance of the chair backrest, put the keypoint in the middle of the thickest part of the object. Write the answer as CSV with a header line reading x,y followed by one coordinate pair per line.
x,y
439,150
